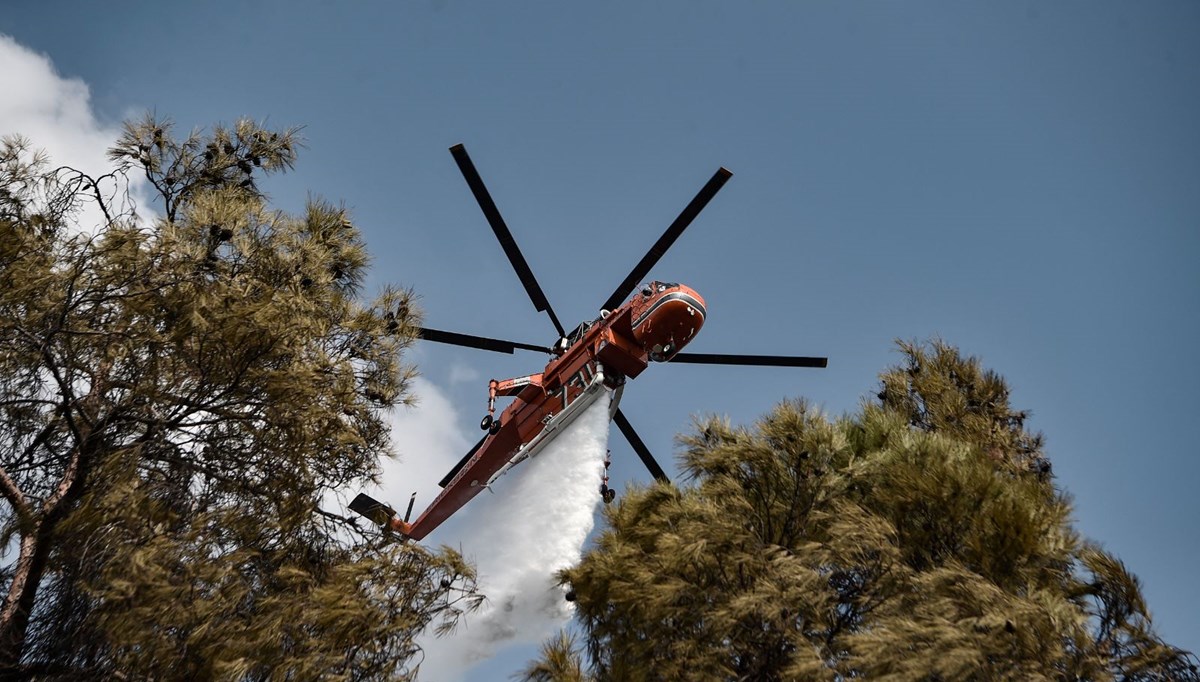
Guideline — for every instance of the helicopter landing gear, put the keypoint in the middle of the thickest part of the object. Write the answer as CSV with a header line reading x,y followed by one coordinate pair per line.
x,y
508,387
606,493
489,424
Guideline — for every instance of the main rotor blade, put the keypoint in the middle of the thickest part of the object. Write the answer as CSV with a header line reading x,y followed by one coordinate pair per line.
x,y
638,446
481,342
753,360
461,463
503,235
668,238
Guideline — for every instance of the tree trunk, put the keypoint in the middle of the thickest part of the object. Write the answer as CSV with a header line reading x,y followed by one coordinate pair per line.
x,y
31,562
18,603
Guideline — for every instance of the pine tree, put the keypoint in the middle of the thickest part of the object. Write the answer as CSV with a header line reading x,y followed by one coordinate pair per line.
x,y
179,399
922,538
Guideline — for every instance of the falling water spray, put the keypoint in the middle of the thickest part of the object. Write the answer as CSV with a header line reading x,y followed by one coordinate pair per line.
x,y
533,525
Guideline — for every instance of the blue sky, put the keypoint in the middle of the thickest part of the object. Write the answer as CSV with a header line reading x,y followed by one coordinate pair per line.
x,y
1020,179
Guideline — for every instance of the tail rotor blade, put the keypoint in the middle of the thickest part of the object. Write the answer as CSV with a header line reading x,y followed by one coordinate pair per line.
x,y
638,446
408,514
668,238
475,182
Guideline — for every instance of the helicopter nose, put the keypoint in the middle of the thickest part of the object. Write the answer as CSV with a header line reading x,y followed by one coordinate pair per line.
x,y
670,320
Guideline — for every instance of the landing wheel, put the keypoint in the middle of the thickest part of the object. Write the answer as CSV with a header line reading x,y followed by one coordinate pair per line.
x,y
486,423
607,494
494,427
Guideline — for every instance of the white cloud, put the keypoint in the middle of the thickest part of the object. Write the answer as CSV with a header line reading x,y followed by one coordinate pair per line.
x,y
428,441
535,524
460,373
55,114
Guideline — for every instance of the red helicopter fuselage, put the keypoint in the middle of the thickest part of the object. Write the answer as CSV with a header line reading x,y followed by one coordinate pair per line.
x,y
600,355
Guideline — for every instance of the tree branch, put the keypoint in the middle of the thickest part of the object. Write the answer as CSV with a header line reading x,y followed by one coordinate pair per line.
x,y
95,186
8,488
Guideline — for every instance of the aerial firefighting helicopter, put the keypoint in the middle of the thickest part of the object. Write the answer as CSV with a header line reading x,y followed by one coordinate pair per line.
x,y
598,355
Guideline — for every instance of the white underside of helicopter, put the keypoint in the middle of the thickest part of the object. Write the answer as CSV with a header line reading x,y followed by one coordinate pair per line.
x,y
560,421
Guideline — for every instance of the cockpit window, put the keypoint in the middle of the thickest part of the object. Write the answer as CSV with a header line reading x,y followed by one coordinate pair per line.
x,y
659,287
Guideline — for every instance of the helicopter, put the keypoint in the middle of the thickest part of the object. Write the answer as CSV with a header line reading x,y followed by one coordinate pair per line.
x,y
635,327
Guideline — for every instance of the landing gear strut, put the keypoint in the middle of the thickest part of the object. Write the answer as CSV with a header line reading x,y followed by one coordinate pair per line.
x,y
508,387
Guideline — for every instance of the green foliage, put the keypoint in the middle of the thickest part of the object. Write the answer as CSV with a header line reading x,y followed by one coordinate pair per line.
x,y
940,391
179,400
919,539
558,663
